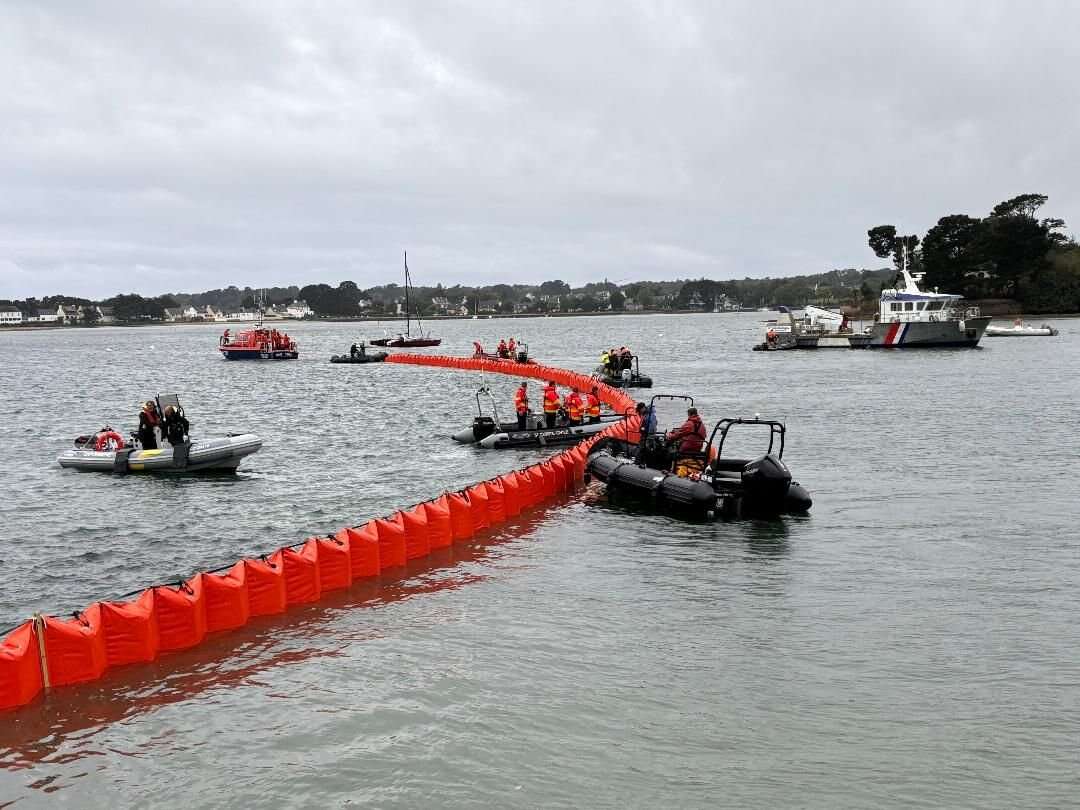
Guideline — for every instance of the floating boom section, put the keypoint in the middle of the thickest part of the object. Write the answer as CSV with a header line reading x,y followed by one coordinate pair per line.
x,y
46,652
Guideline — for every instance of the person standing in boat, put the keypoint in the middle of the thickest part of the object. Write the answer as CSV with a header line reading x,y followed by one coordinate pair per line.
x,y
511,348
175,426
551,403
502,350
573,405
148,421
605,359
592,406
690,435
521,404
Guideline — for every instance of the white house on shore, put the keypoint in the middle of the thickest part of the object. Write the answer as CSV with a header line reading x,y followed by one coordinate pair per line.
x,y
10,316
299,310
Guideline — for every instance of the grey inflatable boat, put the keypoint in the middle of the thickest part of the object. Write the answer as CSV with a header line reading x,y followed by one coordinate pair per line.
x,y
222,454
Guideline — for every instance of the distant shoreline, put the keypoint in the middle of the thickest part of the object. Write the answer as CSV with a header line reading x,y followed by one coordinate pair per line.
x,y
48,327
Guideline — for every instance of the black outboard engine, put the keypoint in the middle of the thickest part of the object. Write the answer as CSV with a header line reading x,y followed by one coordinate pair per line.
x,y
482,427
765,485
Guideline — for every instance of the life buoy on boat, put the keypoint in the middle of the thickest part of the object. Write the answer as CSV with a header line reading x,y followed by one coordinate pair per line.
x,y
108,440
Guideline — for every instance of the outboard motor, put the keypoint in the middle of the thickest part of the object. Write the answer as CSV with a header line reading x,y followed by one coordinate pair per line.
x,y
765,485
653,452
482,427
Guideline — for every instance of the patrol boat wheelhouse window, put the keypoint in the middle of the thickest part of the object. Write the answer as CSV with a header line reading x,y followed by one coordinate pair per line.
x,y
936,305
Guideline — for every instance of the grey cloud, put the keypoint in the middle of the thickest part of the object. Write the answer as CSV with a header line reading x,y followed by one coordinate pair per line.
x,y
182,146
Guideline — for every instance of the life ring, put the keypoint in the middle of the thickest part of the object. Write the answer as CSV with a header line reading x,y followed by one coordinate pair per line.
x,y
109,437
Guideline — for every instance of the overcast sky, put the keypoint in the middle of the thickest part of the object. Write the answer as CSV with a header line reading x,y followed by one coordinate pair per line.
x,y
156,147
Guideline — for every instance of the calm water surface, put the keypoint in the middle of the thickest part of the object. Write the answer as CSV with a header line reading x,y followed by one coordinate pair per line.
x,y
911,643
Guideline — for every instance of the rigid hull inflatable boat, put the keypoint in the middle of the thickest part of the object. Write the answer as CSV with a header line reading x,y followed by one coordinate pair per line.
x,y
219,454
1020,329
625,378
361,355
705,484
490,432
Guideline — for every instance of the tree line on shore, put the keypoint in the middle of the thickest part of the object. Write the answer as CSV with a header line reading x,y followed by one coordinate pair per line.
x,y
1010,254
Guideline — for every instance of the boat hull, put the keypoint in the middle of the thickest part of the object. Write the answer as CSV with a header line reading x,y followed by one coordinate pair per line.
x,y
743,493
208,455
928,334
372,357
258,354
405,343
1023,331
570,434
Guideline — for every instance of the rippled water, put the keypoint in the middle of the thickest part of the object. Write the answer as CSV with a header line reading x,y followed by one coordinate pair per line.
x,y
912,642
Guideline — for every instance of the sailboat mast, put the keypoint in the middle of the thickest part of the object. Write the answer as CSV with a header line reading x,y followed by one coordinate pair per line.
x,y
406,293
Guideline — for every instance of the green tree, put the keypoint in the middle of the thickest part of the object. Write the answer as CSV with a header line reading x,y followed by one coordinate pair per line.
x,y
951,250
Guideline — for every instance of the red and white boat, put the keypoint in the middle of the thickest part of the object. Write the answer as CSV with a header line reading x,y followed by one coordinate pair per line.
x,y
258,343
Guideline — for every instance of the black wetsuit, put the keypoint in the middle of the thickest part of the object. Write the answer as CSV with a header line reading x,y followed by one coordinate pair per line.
x,y
176,428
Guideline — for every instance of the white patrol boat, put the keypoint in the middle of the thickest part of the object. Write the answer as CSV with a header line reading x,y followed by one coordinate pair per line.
x,y
909,317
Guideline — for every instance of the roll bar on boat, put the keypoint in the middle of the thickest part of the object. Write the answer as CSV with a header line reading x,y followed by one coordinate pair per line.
x,y
483,390
776,431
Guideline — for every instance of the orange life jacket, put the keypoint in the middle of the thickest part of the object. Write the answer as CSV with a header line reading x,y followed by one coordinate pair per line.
x,y
593,408
572,403
521,401
551,400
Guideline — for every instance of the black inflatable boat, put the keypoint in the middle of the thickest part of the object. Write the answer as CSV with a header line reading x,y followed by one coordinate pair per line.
x,y
360,355
491,433
706,484
624,378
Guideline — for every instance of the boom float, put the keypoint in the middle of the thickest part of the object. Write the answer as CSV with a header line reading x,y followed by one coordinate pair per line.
x,y
46,652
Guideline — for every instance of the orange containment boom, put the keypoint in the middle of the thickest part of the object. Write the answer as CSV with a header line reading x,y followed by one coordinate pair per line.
x,y
47,652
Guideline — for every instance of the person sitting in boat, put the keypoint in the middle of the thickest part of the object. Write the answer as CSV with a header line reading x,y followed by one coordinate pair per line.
x,y
551,403
592,406
690,435
605,361
625,358
502,351
511,348
148,421
574,407
175,426
521,404
770,337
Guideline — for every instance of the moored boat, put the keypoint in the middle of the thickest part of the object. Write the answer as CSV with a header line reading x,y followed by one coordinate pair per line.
x,y
408,340
1020,329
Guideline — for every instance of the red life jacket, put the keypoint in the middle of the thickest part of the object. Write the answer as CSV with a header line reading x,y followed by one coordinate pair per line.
x,y
521,401
692,433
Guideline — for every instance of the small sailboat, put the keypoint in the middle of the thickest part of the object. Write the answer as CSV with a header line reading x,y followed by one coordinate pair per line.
x,y
408,339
